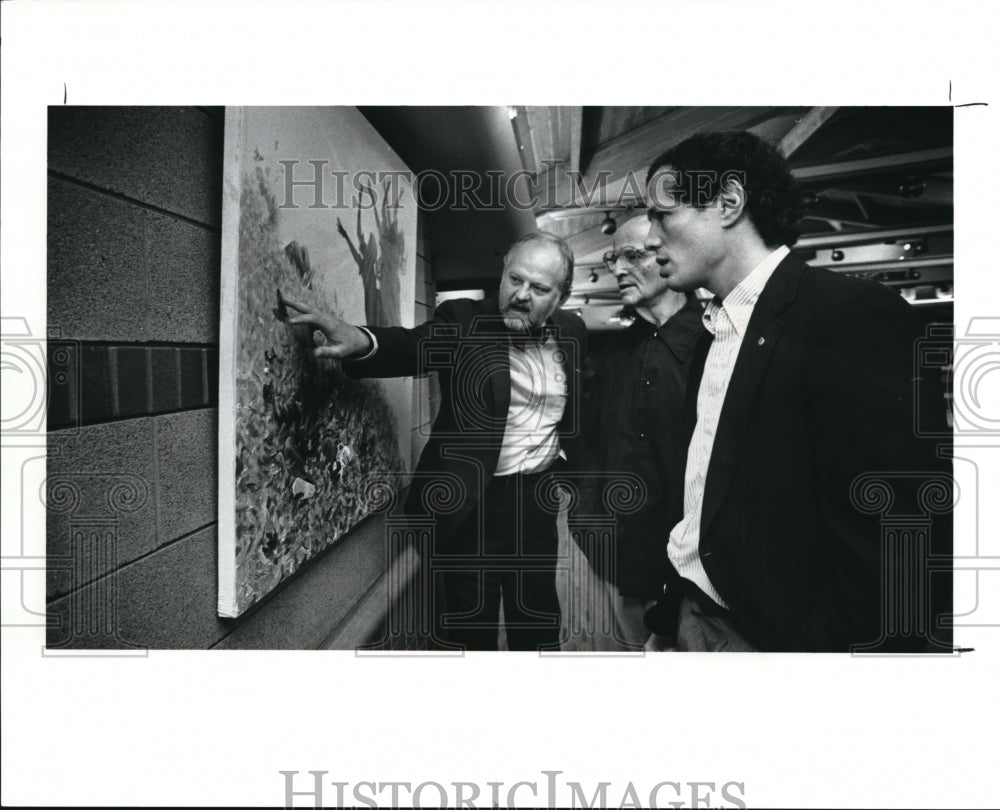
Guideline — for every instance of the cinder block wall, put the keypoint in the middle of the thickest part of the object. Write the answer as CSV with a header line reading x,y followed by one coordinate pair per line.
x,y
133,312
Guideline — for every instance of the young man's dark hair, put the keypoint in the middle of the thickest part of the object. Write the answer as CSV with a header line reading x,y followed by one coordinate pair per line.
x,y
701,162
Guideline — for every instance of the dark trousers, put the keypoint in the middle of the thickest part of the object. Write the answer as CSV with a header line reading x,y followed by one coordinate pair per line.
x,y
507,548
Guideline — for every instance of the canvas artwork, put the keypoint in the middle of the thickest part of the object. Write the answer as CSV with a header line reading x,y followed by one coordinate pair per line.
x,y
305,451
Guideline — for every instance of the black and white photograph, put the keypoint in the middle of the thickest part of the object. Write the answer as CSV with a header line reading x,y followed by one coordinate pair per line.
x,y
662,417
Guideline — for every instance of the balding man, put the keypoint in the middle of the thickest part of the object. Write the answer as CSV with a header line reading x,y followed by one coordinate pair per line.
x,y
633,410
508,368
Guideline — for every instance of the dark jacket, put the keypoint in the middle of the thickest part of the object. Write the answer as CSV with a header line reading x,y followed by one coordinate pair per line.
x,y
468,346
633,410
816,470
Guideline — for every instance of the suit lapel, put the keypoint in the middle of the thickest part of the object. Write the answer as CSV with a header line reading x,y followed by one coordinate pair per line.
x,y
762,336
491,356
570,347
500,381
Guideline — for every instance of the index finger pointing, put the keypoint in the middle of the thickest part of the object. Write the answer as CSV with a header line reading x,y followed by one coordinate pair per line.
x,y
288,302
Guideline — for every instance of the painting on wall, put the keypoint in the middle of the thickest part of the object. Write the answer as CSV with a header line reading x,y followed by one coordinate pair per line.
x,y
305,451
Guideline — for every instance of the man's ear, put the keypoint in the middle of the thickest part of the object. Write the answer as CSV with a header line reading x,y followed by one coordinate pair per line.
x,y
567,292
732,198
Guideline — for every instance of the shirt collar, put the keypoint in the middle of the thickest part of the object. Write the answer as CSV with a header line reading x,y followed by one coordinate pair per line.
x,y
738,305
681,330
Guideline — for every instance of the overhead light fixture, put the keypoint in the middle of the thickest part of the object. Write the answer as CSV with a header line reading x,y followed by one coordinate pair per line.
x,y
609,226
912,186
915,247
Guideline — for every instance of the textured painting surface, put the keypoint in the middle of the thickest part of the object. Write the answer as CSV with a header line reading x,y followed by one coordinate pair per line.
x,y
312,447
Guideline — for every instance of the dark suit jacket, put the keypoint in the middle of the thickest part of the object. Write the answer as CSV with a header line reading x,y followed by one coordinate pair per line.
x,y
822,393
468,346
631,411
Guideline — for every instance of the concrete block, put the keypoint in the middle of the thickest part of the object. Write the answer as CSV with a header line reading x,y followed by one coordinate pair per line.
x,y
97,385
421,308
216,113
423,312
193,374
212,357
96,261
100,480
422,246
183,271
63,358
167,157
132,364
165,382
166,600
420,280
186,456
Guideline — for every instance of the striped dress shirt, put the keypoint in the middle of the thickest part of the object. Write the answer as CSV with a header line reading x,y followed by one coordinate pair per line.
x,y
727,320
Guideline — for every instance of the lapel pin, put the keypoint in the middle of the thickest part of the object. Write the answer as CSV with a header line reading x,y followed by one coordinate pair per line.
x,y
760,342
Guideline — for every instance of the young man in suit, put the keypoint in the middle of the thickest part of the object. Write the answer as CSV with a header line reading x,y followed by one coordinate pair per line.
x,y
508,369
802,398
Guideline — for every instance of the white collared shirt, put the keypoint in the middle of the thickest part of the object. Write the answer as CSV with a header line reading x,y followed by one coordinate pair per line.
x,y
727,321
538,393
538,390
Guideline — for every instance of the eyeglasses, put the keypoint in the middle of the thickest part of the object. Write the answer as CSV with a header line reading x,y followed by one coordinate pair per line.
x,y
629,256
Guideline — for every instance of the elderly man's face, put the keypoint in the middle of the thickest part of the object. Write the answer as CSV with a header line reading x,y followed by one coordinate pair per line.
x,y
531,287
635,267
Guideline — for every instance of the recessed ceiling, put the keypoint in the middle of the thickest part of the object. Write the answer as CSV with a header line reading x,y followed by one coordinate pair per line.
x,y
865,170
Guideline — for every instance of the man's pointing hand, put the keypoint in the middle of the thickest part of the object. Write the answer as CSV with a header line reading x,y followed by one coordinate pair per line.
x,y
343,340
